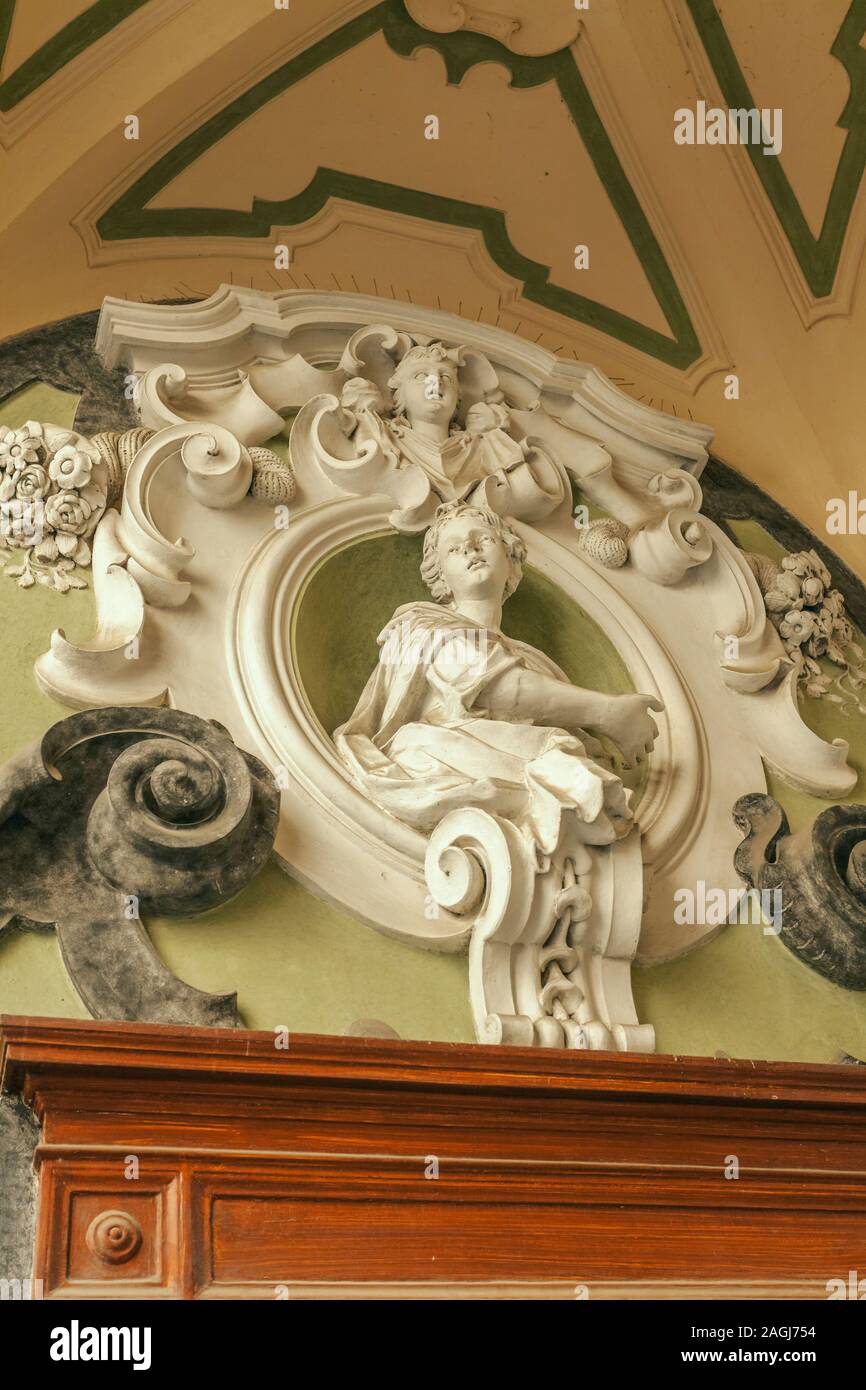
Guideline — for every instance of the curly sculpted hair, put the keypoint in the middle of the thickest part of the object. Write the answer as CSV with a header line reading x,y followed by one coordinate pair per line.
x,y
431,569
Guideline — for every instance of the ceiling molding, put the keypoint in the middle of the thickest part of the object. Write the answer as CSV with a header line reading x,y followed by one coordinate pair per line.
x,y
716,356
524,26
61,48
75,56
128,217
819,273
499,296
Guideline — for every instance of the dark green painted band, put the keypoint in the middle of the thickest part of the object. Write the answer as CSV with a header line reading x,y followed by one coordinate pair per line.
x,y
61,48
818,257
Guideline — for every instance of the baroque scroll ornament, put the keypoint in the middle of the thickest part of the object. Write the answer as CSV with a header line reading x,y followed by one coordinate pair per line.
x,y
56,486
114,812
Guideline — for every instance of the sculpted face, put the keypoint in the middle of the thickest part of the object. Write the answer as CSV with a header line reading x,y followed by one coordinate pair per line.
x,y
430,394
473,559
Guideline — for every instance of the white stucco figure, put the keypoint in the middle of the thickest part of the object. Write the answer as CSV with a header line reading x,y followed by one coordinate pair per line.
x,y
483,744
457,714
435,429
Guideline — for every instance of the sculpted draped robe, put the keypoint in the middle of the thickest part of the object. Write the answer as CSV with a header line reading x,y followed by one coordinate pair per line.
x,y
421,742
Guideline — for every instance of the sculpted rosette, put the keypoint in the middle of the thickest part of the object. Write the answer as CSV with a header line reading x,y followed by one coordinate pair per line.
x,y
71,467
32,483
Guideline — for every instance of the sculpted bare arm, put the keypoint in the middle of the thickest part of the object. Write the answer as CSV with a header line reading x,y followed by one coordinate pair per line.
x,y
520,695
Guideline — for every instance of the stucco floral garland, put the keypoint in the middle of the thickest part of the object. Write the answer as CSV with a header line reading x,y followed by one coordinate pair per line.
x,y
809,615
53,491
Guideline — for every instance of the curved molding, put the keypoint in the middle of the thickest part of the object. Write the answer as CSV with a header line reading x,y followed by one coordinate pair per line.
x,y
268,592
165,398
519,24
135,566
279,338
103,668
74,56
131,214
219,473
804,759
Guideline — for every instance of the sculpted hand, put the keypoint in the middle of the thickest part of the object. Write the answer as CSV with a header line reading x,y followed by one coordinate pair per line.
x,y
629,725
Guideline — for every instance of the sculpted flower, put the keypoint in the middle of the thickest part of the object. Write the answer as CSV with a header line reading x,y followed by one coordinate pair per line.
x,y
784,594
70,467
797,627
32,483
813,590
69,515
20,447
807,563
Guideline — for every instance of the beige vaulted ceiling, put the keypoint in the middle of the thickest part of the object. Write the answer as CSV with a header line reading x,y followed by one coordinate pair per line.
x,y
308,126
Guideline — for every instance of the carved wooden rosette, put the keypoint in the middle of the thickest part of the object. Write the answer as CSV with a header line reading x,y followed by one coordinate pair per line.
x,y
820,873
117,811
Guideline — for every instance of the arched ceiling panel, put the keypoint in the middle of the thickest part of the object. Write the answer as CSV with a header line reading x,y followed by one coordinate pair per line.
x,y
136,213
368,108
769,41
818,256
38,39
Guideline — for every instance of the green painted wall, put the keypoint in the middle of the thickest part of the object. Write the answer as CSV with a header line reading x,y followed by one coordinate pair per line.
x,y
298,961
744,992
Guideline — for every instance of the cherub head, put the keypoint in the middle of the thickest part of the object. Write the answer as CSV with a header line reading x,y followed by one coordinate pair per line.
x,y
471,552
426,385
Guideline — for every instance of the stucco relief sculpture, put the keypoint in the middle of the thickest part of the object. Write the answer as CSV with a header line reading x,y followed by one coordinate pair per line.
x,y
819,873
810,617
482,743
424,422
54,488
116,813
432,428
191,558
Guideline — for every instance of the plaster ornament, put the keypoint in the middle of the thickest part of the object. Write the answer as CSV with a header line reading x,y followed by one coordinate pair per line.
x,y
524,26
117,451
820,872
164,397
809,615
426,423
273,480
423,422
482,743
117,812
193,564
136,567
606,541
53,492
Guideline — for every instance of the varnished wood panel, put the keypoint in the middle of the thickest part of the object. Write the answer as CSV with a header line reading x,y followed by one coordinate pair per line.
x,y
263,1171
